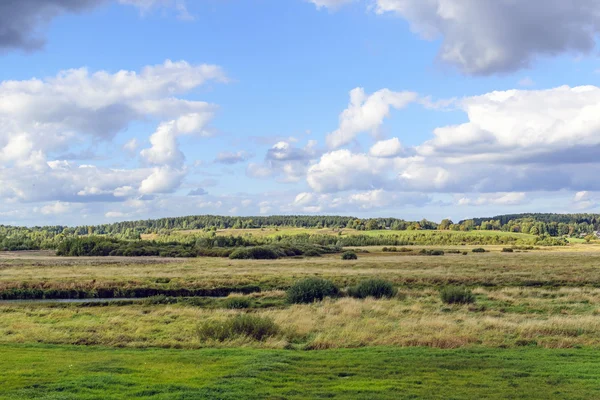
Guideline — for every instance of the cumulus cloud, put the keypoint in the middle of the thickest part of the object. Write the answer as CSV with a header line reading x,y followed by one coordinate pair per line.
x,y
162,180
483,37
146,6
40,119
355,201
514,141
525,126
581,196
344,170
286,161
331,4
499,199
57,207
366,113
583,200
387,148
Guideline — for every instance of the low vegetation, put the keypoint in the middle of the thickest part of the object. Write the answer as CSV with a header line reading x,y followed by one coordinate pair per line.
x,y
429,252
349,255
377,288
242,325
457,295
311,289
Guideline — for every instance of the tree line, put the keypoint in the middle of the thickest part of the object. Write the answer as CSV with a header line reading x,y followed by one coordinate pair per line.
x,y
50,237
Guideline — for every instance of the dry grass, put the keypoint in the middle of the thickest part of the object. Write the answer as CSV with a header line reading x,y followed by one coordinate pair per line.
x,y
502,318
509,311
540,267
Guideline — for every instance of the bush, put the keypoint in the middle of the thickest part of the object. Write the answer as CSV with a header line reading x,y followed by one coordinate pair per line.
x,y
312,253
432,252
311,289
254,253
377,288
464,253
507,250
478,250
236,303
457,295
257,328
349,255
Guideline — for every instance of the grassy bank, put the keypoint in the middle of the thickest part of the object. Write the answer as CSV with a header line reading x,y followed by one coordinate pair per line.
x,y
383,373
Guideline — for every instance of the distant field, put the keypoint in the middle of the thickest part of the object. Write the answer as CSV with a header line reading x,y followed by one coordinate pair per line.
x,y
270,232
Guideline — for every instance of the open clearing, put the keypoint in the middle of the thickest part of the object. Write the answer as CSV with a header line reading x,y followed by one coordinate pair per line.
x,y
533,331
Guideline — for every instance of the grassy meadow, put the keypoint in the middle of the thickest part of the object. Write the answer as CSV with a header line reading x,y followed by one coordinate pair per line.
x,y
533,330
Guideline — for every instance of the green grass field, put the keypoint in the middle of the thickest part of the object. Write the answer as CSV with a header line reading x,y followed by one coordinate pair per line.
x,y
66,372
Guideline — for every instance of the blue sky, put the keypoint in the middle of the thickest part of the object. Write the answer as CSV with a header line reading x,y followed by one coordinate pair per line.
x,y
131,109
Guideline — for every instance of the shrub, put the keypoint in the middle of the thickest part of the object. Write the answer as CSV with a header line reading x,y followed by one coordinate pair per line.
x,y
236,303
464,253
257,328
349,255
377,288
431,252
507,250
478,250
312,253
457,295
254,253
311,289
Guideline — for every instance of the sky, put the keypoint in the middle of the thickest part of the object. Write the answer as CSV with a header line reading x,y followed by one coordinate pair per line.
x,y
116,110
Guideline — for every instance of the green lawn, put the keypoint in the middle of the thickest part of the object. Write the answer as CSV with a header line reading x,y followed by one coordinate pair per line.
x,y
69,372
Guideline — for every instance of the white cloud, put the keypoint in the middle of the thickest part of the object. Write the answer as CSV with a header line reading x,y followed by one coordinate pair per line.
x,y
514,141
387,148
366,113
227,157
286,161
40,118
343,170
146,6
115,214
330,4
483,37
524,125
57,207
498,199
255,170
355,201
264,207
581,196
162,180
131,145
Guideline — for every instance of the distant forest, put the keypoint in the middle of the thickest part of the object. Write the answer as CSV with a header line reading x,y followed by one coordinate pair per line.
x,y
543,225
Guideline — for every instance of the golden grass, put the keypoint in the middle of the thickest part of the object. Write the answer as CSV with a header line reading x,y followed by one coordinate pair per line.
x,y
560,318
563,313
540,267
